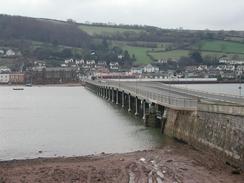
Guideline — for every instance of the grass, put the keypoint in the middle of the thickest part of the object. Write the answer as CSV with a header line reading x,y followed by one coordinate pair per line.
x,y
175,54
140,52
221,46
100,30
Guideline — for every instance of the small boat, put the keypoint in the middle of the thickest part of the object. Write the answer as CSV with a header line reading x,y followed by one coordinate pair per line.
x,y
28,84
18,88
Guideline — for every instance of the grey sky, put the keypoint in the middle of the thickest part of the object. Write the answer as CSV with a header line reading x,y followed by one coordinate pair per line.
x,y
189,14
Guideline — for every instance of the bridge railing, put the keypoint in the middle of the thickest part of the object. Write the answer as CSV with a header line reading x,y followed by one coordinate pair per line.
x,y
205,94
170,101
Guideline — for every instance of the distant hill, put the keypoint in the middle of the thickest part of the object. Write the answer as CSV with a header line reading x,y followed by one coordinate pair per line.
x,y
55,32
55,40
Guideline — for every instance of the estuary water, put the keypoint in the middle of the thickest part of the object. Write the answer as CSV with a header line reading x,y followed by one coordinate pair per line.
x,y
67,121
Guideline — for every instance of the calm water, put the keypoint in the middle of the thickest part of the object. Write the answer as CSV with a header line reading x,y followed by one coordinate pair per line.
x,y
231,89
67,121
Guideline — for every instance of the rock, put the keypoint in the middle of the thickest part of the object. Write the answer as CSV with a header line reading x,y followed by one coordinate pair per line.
x,y
170,160
236,172
142,159
40,152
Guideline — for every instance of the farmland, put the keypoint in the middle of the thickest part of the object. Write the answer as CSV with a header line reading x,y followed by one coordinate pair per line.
x,y
221,46
100,30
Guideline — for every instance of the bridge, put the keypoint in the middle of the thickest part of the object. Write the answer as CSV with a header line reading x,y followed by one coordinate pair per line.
x,y
202,119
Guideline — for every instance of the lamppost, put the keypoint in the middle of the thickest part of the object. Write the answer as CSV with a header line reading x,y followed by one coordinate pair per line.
x,y
240,87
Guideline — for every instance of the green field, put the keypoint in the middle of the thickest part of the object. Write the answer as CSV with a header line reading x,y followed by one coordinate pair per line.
x,y
139,52
220,46
92,30
175,54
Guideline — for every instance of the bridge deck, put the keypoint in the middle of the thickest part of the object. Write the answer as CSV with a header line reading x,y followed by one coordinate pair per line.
x,y
168,95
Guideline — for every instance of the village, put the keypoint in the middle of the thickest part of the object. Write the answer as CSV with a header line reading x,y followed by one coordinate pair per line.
x,y
73,70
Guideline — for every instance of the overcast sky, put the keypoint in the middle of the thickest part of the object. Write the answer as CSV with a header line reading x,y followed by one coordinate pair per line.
x,y
189,14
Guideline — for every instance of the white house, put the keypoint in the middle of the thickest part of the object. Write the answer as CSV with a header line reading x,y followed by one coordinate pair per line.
x,y
136,70
80,62
10,53
120,56
5,69
4,78
90,62
64,65
114,65
68,61
1,52
150,69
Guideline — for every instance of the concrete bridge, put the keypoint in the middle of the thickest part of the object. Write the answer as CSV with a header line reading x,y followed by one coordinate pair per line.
x,y
199,118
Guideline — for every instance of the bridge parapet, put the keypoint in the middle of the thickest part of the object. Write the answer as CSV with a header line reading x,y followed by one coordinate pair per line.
x,y
152,97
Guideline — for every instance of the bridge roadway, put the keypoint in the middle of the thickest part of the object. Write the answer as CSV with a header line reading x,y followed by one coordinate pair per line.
x,y
189,93
175,92
167,95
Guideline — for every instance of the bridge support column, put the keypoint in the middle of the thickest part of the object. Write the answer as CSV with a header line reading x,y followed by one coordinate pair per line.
x,y
123,99
109,94
129,104
112,95
103,92
144,111
136,106
164,119
117,96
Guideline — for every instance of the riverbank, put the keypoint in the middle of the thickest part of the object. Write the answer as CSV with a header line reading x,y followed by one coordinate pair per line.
x,y
173,163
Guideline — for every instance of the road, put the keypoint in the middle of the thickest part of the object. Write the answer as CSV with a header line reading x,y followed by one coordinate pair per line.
x,y
177,92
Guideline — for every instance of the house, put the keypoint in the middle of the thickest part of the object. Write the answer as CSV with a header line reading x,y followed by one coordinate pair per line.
x,y
5,70
226,68
54,75
202,68
228,75
231,62
90,62
114,66
10,53
150,69
102,63
191,68
4,78
64,65
162,61
240,68
1,52
136,70
120,56
80,62
16,78
68,61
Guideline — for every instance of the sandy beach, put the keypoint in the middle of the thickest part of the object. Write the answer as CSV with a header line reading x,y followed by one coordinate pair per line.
x,y
172,164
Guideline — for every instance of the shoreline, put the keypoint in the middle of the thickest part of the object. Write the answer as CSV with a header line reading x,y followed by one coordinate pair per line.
x,y
173,163
42,85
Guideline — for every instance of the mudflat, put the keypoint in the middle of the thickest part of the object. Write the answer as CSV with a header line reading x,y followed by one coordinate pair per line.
x,y
171,164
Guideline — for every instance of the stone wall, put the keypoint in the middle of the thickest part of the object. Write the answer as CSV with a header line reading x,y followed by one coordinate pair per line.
x,y
218,127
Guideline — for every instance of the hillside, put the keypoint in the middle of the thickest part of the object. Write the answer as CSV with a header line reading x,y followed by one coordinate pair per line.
x,y
54,40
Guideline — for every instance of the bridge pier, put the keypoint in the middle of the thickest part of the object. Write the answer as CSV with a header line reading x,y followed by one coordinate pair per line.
x,y
112,95
103,92
117,96
109,94
144,110
136,107
123,99
129,103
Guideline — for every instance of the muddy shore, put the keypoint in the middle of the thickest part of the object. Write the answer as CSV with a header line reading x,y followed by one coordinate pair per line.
x,y
173,164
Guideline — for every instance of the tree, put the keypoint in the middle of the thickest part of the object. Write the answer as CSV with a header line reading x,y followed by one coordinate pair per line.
x,y
196,57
